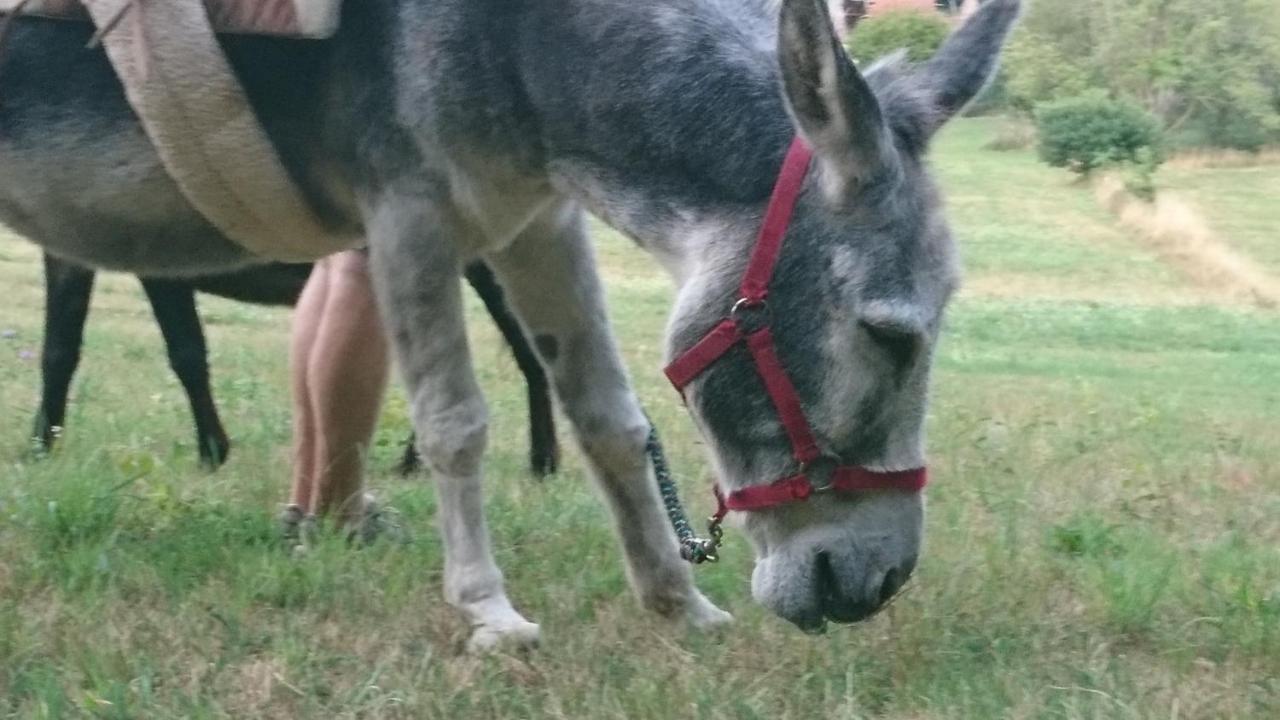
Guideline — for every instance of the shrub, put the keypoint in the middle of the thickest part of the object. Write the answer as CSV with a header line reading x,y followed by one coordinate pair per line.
x,y
1088,132
921,34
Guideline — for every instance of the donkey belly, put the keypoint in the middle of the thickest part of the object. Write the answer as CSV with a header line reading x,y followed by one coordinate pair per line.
x,y
108,205
78,175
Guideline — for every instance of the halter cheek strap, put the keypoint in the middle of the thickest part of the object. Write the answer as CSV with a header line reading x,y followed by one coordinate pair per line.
x,y
758,338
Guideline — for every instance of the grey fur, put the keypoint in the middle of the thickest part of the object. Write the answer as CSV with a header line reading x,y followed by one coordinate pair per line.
x,y
452,129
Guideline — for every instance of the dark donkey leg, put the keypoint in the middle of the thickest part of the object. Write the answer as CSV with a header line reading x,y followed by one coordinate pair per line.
x,y
544,452
66,306
174,305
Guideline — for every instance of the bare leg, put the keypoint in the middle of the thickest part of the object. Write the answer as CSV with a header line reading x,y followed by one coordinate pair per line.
x,y
340,368
550,279
420,295
347,376
306,324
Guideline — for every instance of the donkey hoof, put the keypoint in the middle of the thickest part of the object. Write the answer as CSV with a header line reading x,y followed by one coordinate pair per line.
x,y
514,635
702,615
214,451
544,462
689,611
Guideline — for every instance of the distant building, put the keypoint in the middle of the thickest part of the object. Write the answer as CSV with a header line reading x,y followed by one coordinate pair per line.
x,y
851,11
882,6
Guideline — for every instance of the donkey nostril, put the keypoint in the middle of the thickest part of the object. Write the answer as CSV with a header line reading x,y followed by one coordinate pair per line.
x,y
893,581
824,576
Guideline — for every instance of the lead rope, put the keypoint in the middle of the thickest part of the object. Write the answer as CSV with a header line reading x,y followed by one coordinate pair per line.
x,y
693,549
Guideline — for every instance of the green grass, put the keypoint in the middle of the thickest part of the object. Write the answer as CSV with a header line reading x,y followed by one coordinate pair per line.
x,y
1028,230
1104,530
1240,204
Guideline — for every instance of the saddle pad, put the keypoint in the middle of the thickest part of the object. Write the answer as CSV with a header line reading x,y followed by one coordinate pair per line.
x,y
286,18
194,110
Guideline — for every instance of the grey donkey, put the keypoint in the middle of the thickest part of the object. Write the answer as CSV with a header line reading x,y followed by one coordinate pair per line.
x,y
452,130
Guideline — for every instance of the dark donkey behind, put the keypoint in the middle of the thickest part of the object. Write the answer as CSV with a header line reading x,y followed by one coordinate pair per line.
x,y
67,291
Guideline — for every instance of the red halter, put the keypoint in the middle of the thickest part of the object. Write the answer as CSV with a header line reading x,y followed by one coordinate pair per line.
x,y
754,292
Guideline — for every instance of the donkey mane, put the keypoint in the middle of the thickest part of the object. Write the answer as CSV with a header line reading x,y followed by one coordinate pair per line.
x,y
685,95
673,85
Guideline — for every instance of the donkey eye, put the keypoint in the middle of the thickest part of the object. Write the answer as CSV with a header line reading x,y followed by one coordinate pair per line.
x,y
899,343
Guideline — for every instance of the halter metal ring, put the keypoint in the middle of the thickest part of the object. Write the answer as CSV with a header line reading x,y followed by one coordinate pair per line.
x,y
830,463
758,309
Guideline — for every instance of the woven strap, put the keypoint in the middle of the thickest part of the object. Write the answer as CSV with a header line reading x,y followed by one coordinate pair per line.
x,y
845,479
786,190
195,112
693,361
783,394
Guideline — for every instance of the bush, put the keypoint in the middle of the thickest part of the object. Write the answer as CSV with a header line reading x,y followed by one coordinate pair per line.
x,y
1089,132
921,34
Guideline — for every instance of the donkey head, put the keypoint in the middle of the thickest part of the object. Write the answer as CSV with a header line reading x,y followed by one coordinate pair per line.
x,y
855,306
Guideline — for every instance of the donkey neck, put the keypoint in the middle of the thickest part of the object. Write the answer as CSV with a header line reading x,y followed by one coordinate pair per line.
x,y
664,117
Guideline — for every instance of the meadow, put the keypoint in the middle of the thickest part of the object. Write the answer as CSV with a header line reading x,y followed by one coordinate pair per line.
x,y
1103,528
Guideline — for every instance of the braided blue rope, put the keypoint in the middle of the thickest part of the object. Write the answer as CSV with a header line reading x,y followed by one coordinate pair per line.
x,y
693,549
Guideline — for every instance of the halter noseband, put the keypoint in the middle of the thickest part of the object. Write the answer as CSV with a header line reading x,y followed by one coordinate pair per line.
x,y
759,341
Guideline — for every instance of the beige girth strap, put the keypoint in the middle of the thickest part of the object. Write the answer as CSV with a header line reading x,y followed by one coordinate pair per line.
x,y
197,115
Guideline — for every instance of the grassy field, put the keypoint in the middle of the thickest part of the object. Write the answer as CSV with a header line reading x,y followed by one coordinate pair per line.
x,y
1104,530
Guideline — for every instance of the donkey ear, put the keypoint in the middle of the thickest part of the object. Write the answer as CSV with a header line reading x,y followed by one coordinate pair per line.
x,y
968,58
829,99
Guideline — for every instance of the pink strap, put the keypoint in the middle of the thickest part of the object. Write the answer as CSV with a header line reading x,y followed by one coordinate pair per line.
x,y
855,478
783,394
846,479
755,283
693,361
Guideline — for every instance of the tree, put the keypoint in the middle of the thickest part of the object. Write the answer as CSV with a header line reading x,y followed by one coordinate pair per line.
x,y
1210,71
921,34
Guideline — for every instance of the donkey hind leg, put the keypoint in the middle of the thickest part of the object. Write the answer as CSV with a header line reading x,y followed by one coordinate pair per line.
x,y
550,279
544,452
66,307
174,305
417,280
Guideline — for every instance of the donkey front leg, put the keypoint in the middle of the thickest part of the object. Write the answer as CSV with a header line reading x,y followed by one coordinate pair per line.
x,y
416,273
550,278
